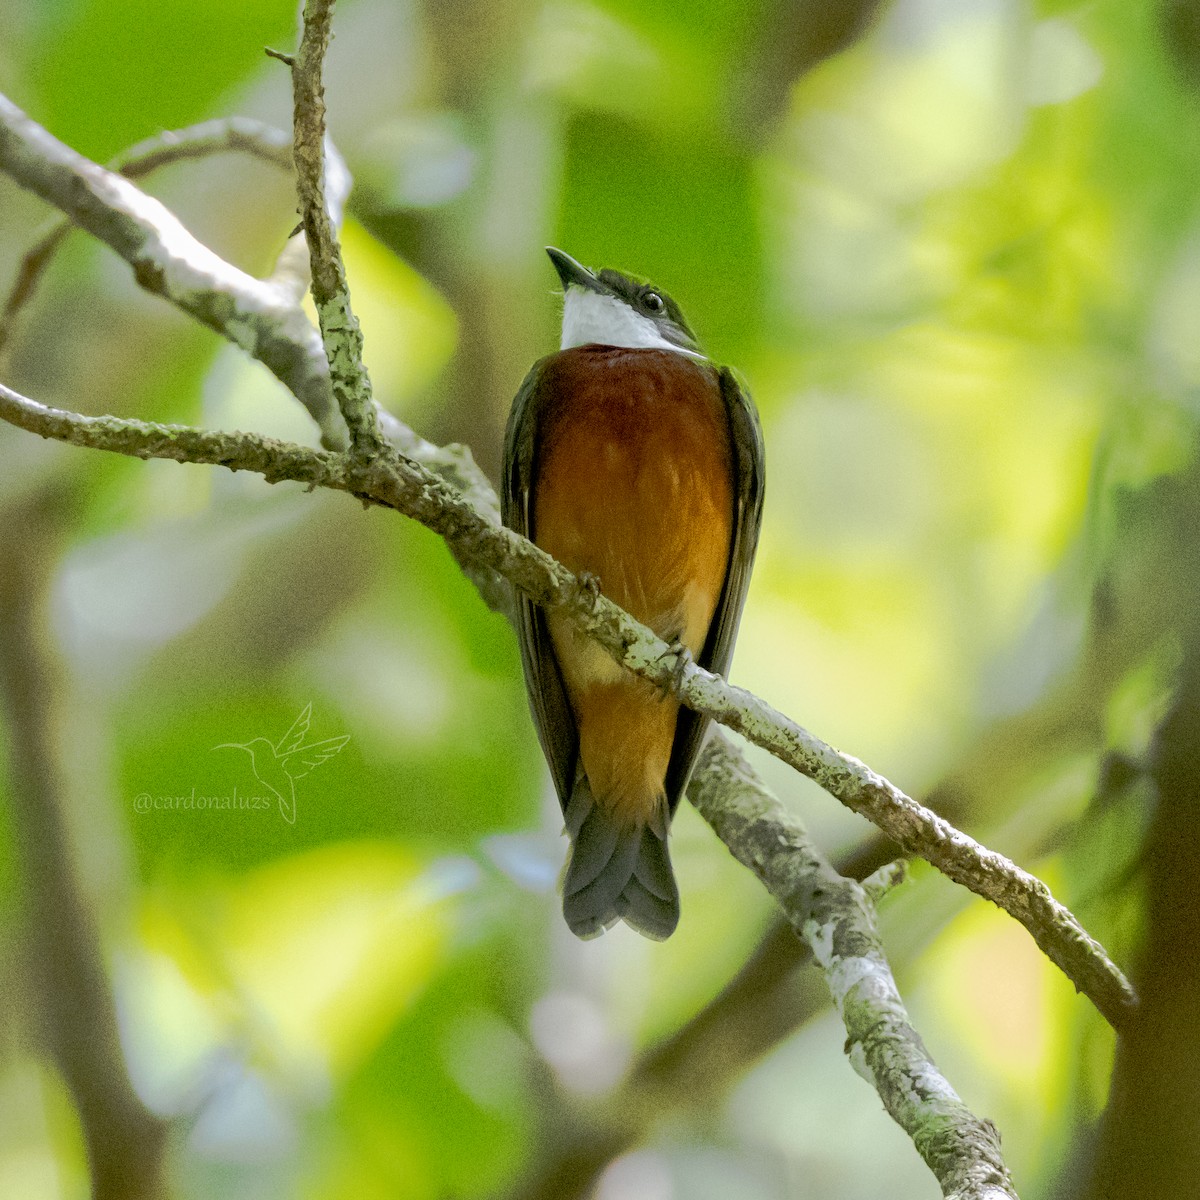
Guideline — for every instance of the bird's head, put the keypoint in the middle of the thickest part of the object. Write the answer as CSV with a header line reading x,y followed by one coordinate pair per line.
x,y
611,309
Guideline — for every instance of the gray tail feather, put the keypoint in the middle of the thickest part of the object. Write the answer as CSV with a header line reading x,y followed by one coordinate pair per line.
x,y
616,874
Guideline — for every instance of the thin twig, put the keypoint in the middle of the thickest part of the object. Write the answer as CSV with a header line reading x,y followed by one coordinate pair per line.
x,y
331,295
887,878
400,483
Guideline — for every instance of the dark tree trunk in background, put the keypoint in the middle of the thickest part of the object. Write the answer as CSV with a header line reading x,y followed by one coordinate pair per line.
x,y
1149,1140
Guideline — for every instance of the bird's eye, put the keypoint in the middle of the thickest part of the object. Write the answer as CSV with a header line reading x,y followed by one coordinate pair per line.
x,y
654,302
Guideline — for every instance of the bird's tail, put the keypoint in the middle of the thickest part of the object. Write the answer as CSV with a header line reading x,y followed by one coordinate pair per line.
x,y
617,873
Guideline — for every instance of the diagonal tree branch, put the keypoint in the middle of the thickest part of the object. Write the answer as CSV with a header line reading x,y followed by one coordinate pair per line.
x,y
835,918
771,995
397,482
477,539
264,319
196,141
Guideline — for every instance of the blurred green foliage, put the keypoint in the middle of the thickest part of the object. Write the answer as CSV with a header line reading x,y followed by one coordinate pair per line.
x,y
958,266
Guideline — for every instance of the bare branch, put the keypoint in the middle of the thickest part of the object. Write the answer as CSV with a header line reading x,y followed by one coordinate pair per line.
x,y
403,484
772,995
339,326
263,319
766,1001
197,141
890,875
834,916
287,343
923,833
690,1069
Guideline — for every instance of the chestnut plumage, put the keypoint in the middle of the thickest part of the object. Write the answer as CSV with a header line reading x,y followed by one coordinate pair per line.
x,y
631,457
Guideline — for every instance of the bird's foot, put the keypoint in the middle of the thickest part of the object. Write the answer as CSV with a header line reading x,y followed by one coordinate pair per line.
x,y
683,659
589,585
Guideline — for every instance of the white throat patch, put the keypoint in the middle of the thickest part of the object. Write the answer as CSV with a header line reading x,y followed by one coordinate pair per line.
x,y
591,317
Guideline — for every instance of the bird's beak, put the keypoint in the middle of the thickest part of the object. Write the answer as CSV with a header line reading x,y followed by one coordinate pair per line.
x,y
574,274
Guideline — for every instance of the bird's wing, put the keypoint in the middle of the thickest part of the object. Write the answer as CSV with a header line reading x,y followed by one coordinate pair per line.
x,y
547,696
294,736
749,464
303,759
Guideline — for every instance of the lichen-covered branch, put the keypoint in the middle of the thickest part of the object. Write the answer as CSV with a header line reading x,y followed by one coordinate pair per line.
x,y
263,318
339,327
836,919
405,485
285,340
693,1067
235,134
922,832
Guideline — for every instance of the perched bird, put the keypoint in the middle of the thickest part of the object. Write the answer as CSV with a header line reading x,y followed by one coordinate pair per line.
x,y
634,460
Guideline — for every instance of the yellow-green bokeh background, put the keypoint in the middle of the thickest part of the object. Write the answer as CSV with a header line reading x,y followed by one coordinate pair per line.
x,y
958,266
